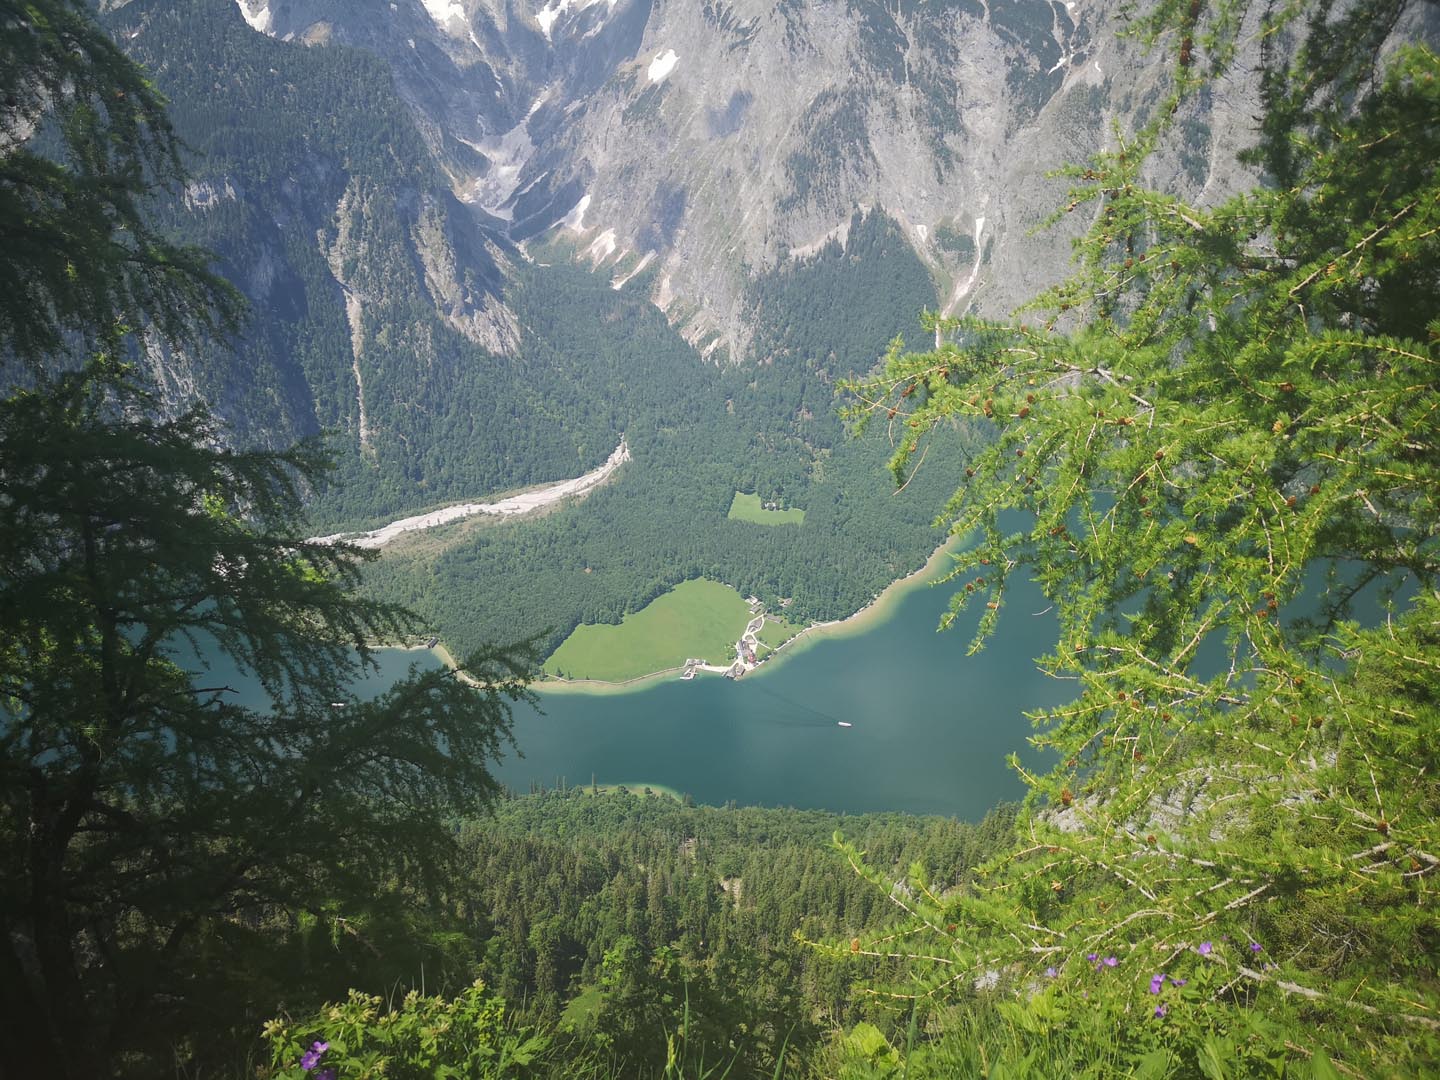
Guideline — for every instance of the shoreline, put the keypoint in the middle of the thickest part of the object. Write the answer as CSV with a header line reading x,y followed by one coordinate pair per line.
x,y
877,610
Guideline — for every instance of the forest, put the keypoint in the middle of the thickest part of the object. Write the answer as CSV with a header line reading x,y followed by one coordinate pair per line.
x,y
1216,445
447,419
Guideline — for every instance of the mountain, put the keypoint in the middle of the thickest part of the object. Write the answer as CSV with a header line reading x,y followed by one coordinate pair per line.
x,y
483,241
718,141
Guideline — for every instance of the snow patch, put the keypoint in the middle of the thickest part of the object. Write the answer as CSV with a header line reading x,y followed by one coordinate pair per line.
x,y
508,156
662,65
257,14
444,11
547,15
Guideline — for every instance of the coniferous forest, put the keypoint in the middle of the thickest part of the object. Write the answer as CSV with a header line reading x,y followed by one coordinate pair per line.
x,y
1216,446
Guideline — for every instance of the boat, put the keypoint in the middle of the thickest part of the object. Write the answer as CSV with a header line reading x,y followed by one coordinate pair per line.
x,y
844,723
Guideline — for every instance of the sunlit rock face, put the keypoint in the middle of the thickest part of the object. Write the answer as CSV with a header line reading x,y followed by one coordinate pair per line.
x,y
713,140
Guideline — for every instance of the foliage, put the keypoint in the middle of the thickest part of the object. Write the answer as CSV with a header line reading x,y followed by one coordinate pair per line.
x,y
664,919
697,434
425,1037
159,845
142,812
1216,446
107,143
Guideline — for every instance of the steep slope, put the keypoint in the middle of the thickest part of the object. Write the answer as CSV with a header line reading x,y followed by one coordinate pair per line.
x,y
716,140
377,299
485,240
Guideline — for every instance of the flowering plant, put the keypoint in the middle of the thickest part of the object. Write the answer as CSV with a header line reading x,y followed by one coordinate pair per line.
x,y
421,1039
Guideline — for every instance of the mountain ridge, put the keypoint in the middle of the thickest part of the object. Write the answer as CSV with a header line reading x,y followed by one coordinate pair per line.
x,y
718,139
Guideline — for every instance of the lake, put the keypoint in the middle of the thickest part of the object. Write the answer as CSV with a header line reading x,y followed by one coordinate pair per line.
x,y
930,726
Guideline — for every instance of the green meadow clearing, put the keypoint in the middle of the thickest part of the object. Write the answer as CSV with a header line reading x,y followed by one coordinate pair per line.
x,y
777,631
747,508
696,618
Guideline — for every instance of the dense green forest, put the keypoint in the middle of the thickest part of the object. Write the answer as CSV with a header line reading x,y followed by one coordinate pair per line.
x,y
1228,870
305,199
697,435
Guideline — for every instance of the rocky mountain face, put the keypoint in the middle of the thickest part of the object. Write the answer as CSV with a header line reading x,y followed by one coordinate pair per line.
x,y
393,184
484,240
711,141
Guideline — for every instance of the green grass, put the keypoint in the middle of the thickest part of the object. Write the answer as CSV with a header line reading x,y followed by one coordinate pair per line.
x,y
696,618
582,1008
747,508
777,631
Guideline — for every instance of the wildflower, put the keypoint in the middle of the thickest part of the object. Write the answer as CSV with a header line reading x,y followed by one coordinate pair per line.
x,y
1178,982
1092,957
1110,961
1156,982
325,1074
1051,972
1160,1010
1205,948
311,1057
1255,946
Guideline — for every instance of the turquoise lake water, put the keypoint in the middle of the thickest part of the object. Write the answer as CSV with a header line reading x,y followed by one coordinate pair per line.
x,y
930,726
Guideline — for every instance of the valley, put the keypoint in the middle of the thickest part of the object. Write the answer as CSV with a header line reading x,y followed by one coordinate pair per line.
x,y
633,345
452,285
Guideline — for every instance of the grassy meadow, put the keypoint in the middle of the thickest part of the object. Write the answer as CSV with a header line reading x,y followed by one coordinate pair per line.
x,y
777,631
747,508
696,618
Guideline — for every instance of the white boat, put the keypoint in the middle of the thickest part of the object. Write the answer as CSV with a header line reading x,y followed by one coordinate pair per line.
x,y
844,723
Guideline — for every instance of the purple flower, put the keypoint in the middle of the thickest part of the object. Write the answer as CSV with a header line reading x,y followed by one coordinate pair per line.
x,y
325,1074
1110,961
1255,946
1178,982
1160,1010
1051,972
311,1057
1205,948
1092,957
1156,982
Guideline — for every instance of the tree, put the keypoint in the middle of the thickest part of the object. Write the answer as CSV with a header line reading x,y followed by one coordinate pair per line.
x,y
151,829
84,140
1217,448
